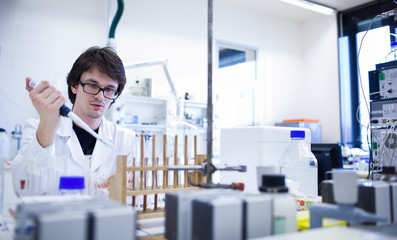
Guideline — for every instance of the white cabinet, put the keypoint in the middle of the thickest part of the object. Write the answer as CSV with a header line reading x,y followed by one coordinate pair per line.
x,y
196,114
154,115
142,114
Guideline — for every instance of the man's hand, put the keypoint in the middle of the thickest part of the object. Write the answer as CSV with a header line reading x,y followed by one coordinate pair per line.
x,y
47,100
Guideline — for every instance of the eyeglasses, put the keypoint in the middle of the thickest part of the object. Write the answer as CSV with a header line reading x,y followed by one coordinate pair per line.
x,y
94,90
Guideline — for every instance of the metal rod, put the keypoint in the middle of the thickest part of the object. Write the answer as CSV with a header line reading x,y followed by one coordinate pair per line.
x,y
209,103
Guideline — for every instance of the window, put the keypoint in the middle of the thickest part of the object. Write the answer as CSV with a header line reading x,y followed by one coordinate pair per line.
x,y
354,84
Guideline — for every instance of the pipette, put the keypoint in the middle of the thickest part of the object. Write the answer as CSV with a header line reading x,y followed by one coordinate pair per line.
x,y
66,112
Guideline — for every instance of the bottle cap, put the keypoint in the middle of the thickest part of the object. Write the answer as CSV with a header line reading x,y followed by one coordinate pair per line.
x,y
71,182
297,134
273,183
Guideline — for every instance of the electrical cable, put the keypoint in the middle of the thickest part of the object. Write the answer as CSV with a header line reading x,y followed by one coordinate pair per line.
x,y
358,108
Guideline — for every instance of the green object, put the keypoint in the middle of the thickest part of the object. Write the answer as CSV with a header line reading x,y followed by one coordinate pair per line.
x,y
381,76
116,18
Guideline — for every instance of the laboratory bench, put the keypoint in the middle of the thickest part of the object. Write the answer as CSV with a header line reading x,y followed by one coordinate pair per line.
x,y
153,231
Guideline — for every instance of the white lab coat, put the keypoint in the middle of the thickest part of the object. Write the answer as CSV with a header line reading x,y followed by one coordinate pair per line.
x,y
41,167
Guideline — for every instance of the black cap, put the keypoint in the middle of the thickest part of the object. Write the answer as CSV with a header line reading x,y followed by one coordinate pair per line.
x,y
273,183
328,175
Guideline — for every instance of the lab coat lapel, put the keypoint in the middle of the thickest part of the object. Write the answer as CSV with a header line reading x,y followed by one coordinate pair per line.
x,y
102,153
66,130
76,151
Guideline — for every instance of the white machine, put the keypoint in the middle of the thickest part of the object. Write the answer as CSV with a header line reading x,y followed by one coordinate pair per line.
x,y
253,146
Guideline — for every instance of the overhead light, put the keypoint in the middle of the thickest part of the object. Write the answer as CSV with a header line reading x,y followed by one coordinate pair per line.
x,y
313,6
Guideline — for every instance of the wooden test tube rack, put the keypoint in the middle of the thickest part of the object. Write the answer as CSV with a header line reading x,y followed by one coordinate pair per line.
x,y
118,190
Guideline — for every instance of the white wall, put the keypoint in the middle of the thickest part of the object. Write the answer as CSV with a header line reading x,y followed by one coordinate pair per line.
x,y
297,62
321,98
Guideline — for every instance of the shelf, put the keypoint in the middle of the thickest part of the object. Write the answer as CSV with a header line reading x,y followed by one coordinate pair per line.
x,y
144,100
190,104
146,128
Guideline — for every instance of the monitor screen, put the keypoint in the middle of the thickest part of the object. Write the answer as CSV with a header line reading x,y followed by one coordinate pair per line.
x,y
329,156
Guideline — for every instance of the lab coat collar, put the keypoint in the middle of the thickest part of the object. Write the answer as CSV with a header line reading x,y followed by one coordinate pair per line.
x,y
101,152
66,131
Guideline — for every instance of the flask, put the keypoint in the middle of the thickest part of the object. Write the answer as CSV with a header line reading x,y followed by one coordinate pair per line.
x,y
299,165
284,205
71,185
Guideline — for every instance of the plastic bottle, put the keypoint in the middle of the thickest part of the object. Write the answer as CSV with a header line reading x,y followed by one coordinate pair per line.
x,y
71,185
284,205
299,165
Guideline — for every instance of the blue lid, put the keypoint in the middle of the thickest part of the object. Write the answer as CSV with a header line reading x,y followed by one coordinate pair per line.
x,y
71,182
393,44
297,134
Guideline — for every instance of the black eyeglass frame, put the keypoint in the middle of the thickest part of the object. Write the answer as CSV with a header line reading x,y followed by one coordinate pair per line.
x,y
116,93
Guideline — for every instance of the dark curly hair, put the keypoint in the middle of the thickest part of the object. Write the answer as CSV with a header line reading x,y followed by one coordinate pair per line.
x,y
105,59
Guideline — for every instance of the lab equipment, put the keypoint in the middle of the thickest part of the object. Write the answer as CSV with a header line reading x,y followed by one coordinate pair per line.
x,y
66,112
178,211
345,192
374,197
73,217
384,144
329,156
383,115
217,219
383,112
257,215
284,206
203,168
383,81
179,216
70,185
299,165
389,174
253,146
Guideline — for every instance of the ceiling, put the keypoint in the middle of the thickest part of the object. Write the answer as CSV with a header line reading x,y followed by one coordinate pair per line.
x,y
288,11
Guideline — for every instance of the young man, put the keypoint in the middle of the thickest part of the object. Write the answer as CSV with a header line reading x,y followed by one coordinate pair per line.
x,y
54,146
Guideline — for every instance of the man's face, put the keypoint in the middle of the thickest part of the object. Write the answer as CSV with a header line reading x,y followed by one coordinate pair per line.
x,y
92,106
